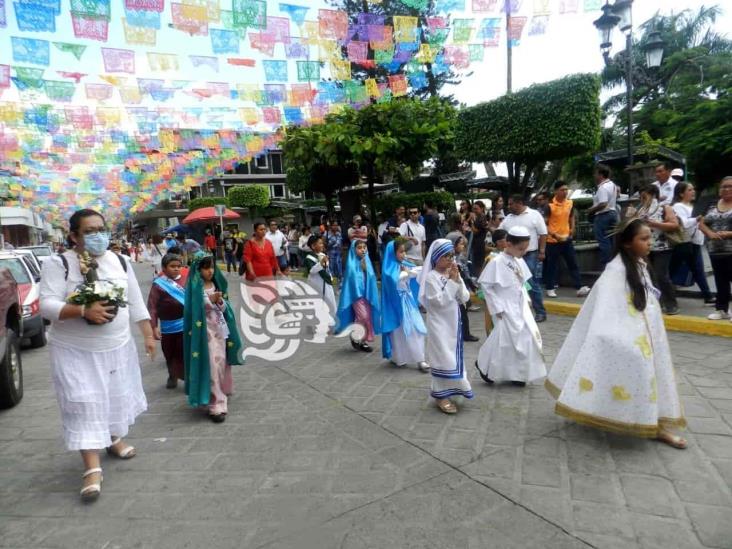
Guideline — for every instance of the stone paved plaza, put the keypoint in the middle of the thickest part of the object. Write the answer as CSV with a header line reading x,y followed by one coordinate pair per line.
x,y
334,448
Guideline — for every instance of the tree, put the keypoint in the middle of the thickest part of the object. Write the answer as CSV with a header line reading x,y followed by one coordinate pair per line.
x,y
528,128
252,197
437,73
687,100
399,135
318,158
206,202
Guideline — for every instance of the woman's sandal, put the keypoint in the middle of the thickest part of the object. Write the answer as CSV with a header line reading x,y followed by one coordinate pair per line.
x,y
672,440
423,367
92,491
447,406
128,452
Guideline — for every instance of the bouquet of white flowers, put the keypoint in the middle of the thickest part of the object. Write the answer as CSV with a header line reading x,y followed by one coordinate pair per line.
x,y
94,289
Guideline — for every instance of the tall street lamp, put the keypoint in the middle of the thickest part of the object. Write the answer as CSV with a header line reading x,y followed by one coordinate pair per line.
x,y
620,15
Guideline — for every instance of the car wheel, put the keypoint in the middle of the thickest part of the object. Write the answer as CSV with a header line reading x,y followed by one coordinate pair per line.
x,y
11,372
39,340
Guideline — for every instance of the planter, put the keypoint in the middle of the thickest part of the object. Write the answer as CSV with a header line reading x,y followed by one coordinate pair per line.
x,y
115,311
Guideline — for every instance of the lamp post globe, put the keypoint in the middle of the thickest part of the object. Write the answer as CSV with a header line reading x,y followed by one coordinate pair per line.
x,y
605,25
624,10
653,49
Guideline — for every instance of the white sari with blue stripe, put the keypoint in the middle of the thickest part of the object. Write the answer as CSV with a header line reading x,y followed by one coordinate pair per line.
x,y
444,349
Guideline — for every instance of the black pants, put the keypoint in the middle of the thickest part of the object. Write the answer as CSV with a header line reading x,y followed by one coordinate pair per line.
x,y
465,320
722,266
566,251
660,262
690,255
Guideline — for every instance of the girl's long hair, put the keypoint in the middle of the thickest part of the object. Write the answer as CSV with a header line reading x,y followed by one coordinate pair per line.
x,y
624,237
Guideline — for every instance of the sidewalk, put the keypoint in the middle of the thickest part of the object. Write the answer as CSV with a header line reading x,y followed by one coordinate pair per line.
x,y
693,317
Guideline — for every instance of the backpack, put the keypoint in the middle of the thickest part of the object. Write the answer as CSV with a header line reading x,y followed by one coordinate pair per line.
x,y
66,264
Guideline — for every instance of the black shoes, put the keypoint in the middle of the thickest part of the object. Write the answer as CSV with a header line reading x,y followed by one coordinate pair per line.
x,y
484,377
540,318
470,337
362,346
218,418
172,383
518,383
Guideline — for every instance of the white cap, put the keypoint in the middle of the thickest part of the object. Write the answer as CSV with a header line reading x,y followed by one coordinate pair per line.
x,y
677,172
519,231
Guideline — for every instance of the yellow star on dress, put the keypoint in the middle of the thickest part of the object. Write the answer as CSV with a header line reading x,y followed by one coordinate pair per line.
x,y
585,385
619,393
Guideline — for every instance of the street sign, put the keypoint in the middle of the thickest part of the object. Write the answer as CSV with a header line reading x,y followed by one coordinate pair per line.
x,y
220,209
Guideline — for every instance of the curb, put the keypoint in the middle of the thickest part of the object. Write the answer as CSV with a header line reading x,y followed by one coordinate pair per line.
x,y
676,323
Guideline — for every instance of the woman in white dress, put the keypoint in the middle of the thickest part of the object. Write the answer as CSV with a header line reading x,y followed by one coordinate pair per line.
x,y
441,290
513,350
402,327
94,364
614,370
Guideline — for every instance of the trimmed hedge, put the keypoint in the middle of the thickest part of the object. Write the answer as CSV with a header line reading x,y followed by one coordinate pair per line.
x,y
386,203
206,202
249,196
547,121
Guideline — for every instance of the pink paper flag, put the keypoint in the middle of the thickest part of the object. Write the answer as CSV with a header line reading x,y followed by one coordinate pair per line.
x,y
272,115
333,24
4,76
94,28
116,60
147,5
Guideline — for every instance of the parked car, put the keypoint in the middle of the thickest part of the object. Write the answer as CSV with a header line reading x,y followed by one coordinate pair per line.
x,y
11,327
29,296
31,258
41,251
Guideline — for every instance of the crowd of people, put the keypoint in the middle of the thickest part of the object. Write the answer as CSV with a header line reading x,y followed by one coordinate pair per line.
x,y
406,281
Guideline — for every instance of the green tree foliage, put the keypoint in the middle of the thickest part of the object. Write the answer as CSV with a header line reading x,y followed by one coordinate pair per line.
x,y
533,126
688,99
437,74
207,202
249,196
380,139
387,203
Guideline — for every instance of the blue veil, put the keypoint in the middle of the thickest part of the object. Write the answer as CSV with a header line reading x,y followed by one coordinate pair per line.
x,y
354,288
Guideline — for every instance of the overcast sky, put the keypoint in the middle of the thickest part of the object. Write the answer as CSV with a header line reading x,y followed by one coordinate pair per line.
x,y
570,45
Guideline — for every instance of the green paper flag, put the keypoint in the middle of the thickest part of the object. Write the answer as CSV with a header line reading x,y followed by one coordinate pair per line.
x,y
30,77
57,90
77,50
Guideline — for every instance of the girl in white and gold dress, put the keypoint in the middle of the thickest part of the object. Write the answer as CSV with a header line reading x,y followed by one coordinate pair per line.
x,y
614,370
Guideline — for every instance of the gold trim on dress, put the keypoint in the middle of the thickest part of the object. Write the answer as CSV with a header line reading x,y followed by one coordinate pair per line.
x,y
553,389
619,427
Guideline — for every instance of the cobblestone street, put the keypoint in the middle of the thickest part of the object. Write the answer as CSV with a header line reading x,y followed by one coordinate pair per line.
x,y
335,448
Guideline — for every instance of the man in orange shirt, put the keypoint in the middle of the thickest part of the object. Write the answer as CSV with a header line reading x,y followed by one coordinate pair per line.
x,y
560,224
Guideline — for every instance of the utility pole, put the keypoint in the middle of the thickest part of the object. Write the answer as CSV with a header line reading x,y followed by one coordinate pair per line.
x,y
509,49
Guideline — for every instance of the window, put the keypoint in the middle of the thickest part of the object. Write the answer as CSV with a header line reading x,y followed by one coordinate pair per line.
x,y
277,191
242,168
16,268
261,161
277,163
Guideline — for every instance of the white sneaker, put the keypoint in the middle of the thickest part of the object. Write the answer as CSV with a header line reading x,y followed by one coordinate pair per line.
x,y
551,293
718,315
583,291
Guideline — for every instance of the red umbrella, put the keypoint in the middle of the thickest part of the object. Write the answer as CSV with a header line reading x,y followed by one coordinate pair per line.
x,y
209,214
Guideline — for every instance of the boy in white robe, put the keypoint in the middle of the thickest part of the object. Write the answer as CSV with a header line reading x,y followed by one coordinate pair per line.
x,y
512,352
318,270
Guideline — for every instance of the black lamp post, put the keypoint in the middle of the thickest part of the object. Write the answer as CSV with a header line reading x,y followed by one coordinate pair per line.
x,y
620,15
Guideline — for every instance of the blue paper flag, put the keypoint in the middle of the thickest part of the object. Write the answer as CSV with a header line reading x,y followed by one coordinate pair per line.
x,y
275,93
3,17
293,115
448,6
142,18
34,18
296,13
30,50
224,41
417,80
54,5
275,71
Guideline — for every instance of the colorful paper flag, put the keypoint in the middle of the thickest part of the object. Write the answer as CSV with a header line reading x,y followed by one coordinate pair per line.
x,y
538,25
162,61
275,71
340,69
224,41
206,61
3,15
333,24
484,6
91,8
118,60
143,18
357,51
148,5
4,77
250,13
30,50
308,71
77,50
139,35
90,27
568,6
100,92
296,13
593,5
34,17
405,28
